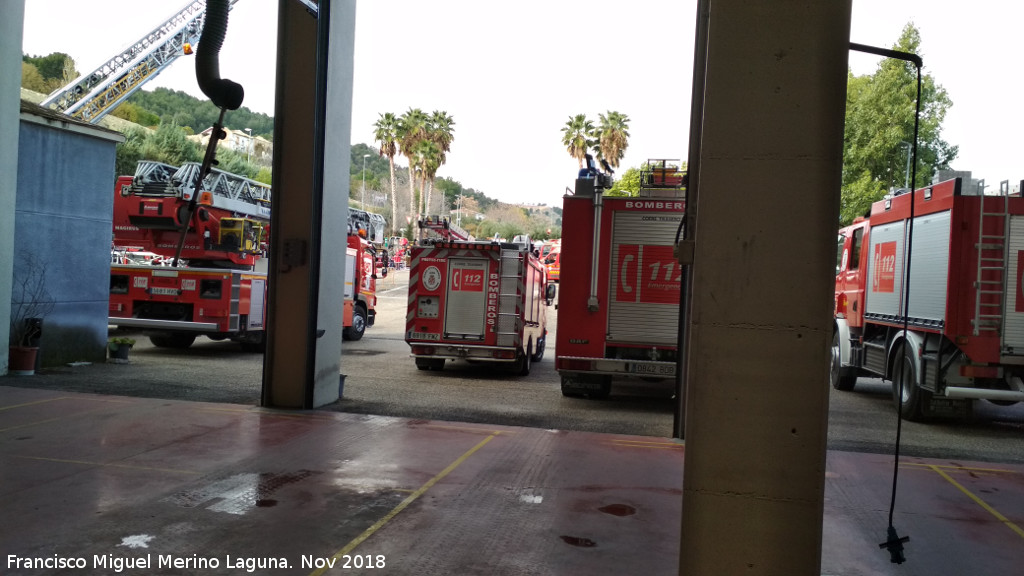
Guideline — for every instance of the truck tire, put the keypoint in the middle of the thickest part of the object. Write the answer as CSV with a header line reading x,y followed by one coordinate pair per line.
x,y
522,364
594,387
538,354
913,400
836,376
358,327
258,344
179,341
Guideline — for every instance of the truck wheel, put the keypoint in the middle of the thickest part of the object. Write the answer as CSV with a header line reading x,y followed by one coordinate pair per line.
x,y
358,327
178,341
522,364
538,354
911,403
836,376
256,344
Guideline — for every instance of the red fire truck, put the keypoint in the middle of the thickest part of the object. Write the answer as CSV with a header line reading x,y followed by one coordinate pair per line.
x,y
619,286
929,296
478,301
219,293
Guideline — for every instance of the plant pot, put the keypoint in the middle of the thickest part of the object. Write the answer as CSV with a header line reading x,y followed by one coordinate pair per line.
x,y
21,360
119,352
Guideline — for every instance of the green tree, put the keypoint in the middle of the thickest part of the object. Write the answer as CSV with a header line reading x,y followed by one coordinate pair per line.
x,y
574,136
412,128
129,152
440,132
170,146
627,185
57,69
31,79
612,136
428,157
880,127
134,113
385,133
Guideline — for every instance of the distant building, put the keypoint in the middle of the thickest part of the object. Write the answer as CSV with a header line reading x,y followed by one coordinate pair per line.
x,y
259,150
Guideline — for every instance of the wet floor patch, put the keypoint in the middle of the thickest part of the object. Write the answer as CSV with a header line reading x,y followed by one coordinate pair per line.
x,y
618,510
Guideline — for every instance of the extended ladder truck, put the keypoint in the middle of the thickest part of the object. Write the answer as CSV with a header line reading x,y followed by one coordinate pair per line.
x,y
91,96
220,293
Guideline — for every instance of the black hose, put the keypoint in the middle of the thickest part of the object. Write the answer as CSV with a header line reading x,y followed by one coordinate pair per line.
x,y
222,92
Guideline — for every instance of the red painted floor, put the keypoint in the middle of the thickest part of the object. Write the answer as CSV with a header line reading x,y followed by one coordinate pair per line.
x,y
141,486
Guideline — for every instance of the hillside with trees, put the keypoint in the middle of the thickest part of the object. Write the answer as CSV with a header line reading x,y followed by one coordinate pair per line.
x,y
164,119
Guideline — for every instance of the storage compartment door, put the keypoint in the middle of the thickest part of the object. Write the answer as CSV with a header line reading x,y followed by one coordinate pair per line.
x,y
465,305
1013,323
646,279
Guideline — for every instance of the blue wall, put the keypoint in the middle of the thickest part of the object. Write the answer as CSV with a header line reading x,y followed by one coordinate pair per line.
x,y
63,215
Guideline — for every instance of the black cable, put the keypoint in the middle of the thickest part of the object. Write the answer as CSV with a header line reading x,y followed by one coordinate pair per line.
x,y
894,543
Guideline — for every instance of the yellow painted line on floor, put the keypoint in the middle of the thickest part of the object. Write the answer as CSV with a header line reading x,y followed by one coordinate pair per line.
x,y
107,464
60,398
1020,532
48,420
269,413
404,503
643,444
470,429
961,468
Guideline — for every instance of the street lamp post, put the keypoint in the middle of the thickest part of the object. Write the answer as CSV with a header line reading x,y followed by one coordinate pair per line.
x,y
248,149
363,194
906,177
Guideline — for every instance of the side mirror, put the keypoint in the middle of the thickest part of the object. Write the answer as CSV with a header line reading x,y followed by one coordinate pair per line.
x,y
549,294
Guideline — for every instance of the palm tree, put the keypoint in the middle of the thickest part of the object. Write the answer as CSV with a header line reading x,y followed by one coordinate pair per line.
x,y
612,136
385,132
412,127
574,136
442,131
428,160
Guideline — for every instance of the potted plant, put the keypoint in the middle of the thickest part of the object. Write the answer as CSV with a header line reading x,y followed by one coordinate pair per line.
x,y
119,347
30,302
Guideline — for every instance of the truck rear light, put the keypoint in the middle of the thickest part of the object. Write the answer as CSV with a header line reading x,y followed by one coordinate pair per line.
x,y
971,371
115,307
574,365
423,350
504,354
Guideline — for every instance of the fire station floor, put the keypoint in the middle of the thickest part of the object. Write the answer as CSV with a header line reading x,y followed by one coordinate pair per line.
x,y
145,486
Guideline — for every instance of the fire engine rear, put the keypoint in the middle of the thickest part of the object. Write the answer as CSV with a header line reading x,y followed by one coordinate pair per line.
x,y
618,312
478,301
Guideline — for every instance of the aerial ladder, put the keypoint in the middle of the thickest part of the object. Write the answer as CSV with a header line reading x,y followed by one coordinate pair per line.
x,y
442,227
91,96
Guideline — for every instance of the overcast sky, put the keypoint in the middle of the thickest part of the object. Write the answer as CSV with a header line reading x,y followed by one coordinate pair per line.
x,y
511,74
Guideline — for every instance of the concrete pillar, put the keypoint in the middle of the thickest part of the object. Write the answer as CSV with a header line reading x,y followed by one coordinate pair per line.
x,y
312,122
12,18
757,395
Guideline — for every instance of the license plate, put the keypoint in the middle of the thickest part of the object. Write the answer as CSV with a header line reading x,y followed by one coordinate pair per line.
x,y
653,369
424,336
163,291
